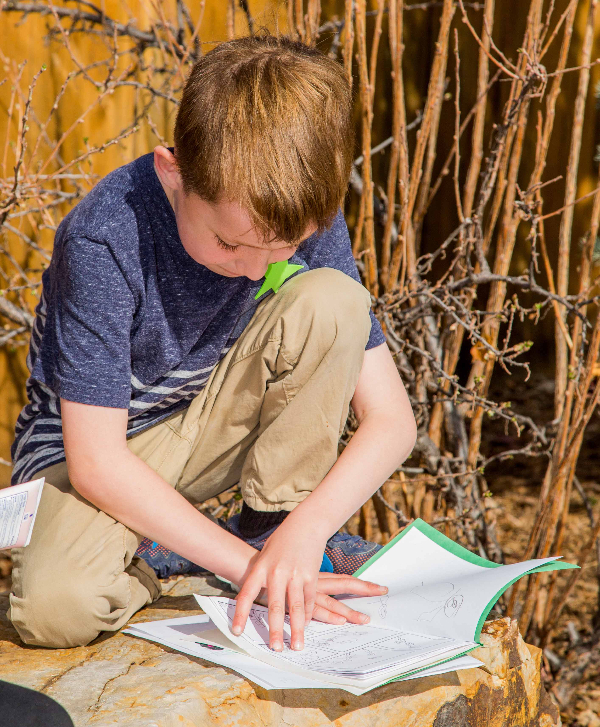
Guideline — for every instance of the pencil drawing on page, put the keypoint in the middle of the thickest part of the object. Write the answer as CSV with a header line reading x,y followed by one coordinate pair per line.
x,y
446,598
383,606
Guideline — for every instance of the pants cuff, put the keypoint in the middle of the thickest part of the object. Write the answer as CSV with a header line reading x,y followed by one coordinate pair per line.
x,y
138,568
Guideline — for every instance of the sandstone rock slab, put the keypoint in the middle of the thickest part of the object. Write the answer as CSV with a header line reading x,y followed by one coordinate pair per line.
x,y
121,680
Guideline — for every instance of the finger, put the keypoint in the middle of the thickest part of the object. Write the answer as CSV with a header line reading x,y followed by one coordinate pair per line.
x,y
276,606
335,584
262,598
296,611
244,602
341,609
326,615
310,593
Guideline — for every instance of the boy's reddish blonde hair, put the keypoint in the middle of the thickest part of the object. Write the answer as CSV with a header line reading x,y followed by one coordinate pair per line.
x,y
268,122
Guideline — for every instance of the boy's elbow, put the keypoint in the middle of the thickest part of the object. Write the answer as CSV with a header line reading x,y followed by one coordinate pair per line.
x,y
406,438
84,478
91,474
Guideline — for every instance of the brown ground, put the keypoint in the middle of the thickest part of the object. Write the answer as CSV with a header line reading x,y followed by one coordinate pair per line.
x,y
515,487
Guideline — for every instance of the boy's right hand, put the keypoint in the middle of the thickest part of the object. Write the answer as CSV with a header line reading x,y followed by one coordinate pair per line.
x,y
328,609
287,570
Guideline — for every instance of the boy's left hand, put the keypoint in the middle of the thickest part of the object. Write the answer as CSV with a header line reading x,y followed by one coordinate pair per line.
x,y
288,567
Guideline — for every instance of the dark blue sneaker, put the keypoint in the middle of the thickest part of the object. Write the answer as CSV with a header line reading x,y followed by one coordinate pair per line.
x,y
348,553
165,562
343,553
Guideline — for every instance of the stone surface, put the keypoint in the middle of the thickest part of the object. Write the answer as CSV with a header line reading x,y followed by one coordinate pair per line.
x,y
121,680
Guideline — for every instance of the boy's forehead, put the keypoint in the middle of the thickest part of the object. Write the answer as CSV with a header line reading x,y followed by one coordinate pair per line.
x,y
233,223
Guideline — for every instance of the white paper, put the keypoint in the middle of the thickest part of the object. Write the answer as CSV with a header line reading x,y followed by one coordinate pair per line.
x,y
187,635
261,674
343,656
18,508
430,615
432,590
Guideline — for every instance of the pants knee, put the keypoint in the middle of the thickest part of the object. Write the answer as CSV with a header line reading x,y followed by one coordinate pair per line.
x,y
328,293
60,616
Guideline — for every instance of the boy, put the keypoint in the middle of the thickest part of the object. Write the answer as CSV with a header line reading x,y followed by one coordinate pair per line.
x,y
165,369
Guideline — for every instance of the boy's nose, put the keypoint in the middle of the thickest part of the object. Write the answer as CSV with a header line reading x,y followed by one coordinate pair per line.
x,y
256,276
256,267
256,264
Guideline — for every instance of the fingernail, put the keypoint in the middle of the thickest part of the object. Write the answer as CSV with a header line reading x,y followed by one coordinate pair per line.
x,y
277,646
297,646
365,619
383,589
236,630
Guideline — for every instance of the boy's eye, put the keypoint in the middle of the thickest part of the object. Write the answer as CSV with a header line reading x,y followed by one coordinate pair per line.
x,y
225,246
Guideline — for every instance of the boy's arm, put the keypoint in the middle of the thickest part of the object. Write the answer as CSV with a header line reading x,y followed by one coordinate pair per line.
x,y
105,472
385,437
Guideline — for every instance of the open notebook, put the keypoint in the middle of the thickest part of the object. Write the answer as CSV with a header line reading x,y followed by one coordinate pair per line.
x,y
439,596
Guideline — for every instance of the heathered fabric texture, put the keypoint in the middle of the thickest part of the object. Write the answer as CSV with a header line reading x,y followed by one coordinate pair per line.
x,y
128,319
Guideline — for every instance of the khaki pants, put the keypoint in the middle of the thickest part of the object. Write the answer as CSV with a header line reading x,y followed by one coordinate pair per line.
x,y
269,417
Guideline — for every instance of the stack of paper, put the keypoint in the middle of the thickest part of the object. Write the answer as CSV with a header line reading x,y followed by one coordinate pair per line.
x,y
439,596
198,636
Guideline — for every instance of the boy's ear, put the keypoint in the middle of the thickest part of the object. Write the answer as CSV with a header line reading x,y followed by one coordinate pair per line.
x,y
166,168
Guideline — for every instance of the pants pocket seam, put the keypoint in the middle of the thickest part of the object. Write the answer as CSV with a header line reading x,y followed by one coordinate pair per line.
x,y
255,349
171,449
180,435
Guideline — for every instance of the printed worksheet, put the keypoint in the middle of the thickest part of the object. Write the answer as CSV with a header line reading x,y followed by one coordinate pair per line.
x,y
348,655
439,596
18,508
199,637
347,650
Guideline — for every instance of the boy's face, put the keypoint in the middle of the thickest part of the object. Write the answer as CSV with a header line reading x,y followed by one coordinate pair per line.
x,y
219,235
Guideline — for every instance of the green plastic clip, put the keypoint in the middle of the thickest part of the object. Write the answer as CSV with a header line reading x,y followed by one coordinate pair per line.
x,y
277,274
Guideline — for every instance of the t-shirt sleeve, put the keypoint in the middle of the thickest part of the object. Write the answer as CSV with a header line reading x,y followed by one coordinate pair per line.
x,y
90,311
332,249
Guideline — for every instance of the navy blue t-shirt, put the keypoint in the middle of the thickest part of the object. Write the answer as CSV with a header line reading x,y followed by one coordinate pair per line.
x,y
128,319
